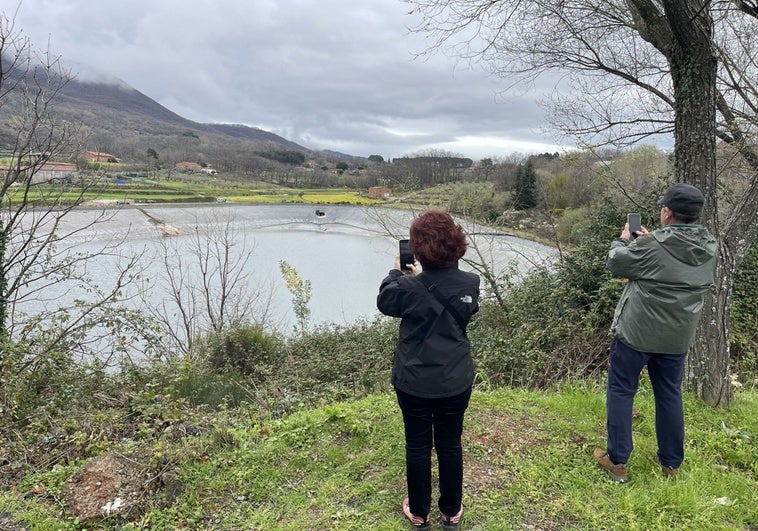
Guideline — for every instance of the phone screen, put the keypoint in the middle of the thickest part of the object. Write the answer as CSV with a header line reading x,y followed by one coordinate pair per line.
x,y
406,256
635,223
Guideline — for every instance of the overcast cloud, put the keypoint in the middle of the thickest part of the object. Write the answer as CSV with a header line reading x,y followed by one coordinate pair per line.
x,y
327,74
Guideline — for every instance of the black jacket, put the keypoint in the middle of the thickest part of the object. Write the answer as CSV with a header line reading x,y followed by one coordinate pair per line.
x,y
433,354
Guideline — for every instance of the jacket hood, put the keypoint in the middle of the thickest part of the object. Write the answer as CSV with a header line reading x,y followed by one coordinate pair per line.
x,y
690,244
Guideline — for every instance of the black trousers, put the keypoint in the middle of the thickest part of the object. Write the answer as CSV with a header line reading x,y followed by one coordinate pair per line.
x,y
434,423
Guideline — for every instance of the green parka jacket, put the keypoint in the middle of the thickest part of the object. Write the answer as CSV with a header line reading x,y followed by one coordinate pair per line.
x,y
669,272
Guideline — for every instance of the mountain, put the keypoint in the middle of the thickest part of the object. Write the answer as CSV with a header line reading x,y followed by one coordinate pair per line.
x,y
130,103
119,119
339,155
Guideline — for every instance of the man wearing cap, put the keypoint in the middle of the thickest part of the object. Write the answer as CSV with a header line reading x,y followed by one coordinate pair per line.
x,y
669,271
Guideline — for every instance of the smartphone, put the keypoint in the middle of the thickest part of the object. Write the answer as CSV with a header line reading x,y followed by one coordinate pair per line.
x,y
635,223
406,256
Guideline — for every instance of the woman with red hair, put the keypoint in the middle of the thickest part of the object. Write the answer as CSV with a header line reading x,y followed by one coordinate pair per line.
x,y
432,371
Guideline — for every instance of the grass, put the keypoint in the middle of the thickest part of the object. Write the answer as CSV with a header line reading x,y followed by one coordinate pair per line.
x,y
184,191
528,465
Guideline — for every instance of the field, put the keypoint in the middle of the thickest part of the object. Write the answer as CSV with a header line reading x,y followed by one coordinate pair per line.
x,y
196,190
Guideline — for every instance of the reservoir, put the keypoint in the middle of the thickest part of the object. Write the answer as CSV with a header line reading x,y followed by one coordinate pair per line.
x,y
343,251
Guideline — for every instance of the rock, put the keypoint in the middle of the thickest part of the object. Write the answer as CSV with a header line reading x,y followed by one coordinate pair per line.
x,y
108,485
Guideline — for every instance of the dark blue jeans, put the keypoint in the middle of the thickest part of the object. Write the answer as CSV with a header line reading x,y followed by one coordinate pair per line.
x,y
438,423
665,371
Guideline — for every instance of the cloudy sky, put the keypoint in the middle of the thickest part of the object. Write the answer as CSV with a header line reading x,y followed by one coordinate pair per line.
x,y
327,74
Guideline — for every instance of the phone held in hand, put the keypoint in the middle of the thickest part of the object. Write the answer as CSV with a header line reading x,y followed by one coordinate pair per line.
x,y
406,256
635,223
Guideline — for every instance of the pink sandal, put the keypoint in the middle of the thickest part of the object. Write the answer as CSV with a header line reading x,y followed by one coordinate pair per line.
x,y
417,522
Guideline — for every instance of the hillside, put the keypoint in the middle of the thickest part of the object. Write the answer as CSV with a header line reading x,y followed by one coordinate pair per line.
x,y
117,118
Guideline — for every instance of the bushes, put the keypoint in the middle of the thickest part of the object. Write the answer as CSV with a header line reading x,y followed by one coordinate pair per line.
x,y
555,323
274,375
247,349
744,332
541,338
351,360
36,382
572,224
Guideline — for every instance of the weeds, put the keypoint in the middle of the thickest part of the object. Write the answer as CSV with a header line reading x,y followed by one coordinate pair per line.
x,y
527,464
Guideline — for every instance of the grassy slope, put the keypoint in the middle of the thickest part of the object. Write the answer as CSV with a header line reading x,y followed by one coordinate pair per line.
x,y
528,466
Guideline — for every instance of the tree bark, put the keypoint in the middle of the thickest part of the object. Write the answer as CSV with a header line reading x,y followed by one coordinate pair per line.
x,y
708,369
693,72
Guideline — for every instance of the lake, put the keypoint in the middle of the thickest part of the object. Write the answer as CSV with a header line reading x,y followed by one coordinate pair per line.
x,y
344,251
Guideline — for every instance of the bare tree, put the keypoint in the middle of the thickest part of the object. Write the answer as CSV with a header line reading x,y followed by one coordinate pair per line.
x,y
51,304
433,166
204,285
638,68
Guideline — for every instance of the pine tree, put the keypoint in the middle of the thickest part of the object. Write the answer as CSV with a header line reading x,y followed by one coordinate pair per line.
x,y
525,195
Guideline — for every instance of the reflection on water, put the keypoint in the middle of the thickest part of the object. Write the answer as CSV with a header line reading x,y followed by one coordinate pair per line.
x,y
344,251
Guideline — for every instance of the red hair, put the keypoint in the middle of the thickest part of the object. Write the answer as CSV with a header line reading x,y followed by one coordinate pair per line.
x,y
436,240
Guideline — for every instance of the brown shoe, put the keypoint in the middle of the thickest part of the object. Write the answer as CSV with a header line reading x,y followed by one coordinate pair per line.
x,y
668,471
617,472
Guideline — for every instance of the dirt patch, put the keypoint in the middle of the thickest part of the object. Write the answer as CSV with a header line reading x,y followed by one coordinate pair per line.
x,y
493,438
108,485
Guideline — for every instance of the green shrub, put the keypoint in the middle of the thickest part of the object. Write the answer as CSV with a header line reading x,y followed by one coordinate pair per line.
x,y
37,382
246,348
744,329
554,324
572,225
539,339
353,360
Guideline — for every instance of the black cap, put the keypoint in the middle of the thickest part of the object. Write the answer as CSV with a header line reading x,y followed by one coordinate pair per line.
x,y
682,198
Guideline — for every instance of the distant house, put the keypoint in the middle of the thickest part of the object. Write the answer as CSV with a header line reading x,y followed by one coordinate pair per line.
x,y
377,192
98,156
49,172
188,166
55,172
209,171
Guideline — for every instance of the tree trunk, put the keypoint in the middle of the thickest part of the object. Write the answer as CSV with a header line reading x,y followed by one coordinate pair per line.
x,y
693,73
708,370
3,287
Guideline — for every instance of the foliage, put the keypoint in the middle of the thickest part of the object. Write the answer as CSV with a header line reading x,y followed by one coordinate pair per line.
x,y
554,323
476,201
538,340
284,156
301,294
559,191
44,383
572,225
245,348
344,360
525,195
744,331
